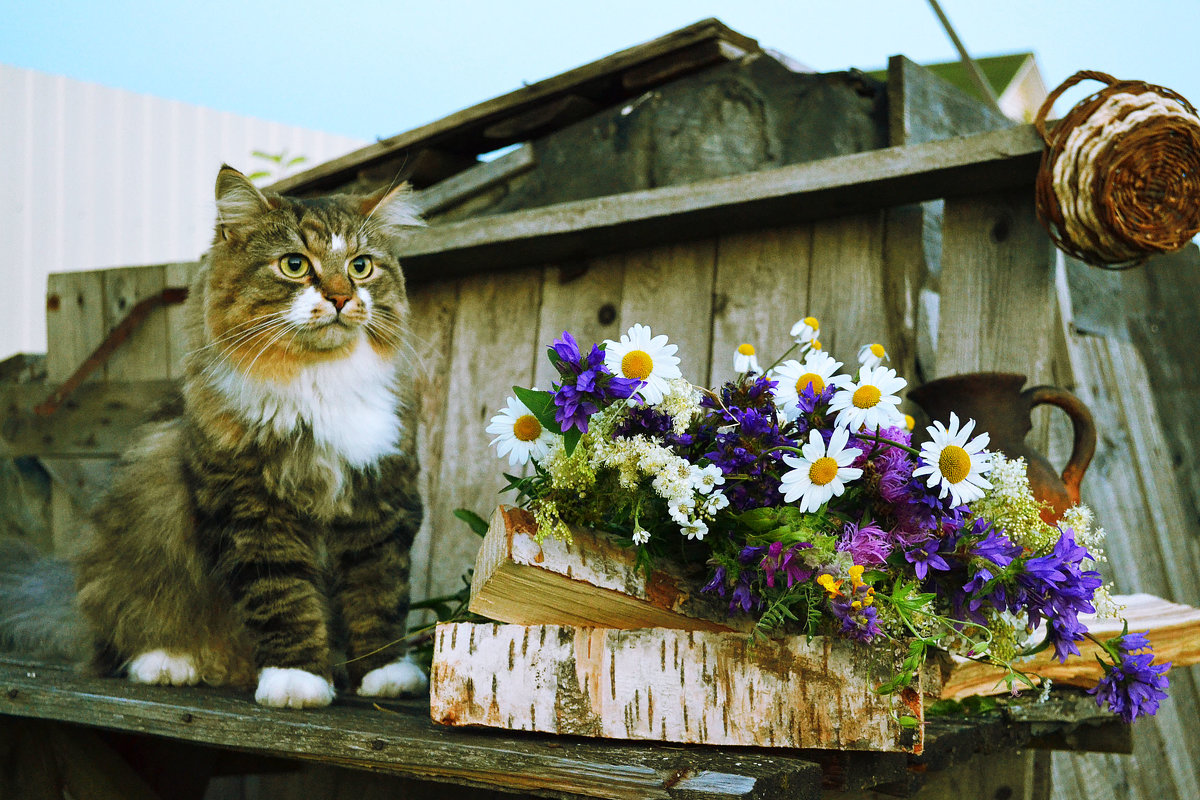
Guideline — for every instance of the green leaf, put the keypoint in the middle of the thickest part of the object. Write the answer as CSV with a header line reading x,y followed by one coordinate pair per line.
x,y
909,722
541,405
570,439
475,522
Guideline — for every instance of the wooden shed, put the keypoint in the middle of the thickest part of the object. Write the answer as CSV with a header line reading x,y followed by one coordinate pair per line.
x,y
717,192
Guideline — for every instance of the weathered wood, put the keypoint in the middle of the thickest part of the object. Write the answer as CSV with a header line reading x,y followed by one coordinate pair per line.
x,y
680,686
401,740
177,275
598,81
472,181
1174,631
97,422
74,321
923,107
785,195
589,580
846,285
145,354
761,289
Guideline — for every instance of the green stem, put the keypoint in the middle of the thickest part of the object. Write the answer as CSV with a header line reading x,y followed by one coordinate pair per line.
x,y
882,440
779,360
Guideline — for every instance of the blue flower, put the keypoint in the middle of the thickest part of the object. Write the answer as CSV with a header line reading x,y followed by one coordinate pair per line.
x,y
926,556
1132,685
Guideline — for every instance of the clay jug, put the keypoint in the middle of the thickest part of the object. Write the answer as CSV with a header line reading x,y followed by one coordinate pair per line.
x,y
999,406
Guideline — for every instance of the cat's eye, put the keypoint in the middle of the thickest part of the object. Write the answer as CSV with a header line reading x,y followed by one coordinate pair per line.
x,y
361,267
294,266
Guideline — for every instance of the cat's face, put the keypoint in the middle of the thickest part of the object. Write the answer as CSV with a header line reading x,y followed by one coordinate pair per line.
x,y
293,282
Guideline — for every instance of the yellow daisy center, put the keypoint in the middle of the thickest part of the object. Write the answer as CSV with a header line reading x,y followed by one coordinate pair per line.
x,y
878,351
816,344
817,382
823,470
866,396
954,463
811,322
746,349
637,364
909,422
527,428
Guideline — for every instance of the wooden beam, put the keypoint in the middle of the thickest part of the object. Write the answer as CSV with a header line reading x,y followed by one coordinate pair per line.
x,y
472,181
992,161
600,81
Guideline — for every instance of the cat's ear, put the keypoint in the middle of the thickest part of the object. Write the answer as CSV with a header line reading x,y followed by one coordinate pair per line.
x,y
238,200
391,209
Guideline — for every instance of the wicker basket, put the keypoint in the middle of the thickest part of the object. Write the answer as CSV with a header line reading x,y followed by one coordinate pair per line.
x,y
1120,176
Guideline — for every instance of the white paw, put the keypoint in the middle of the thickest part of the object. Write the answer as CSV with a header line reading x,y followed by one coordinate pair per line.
x,y
393,680
282,687
159,666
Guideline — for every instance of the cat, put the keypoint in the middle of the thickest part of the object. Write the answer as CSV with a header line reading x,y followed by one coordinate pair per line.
x,y
265,522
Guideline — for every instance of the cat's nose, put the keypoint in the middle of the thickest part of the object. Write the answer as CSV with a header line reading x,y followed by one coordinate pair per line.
x,y
338,300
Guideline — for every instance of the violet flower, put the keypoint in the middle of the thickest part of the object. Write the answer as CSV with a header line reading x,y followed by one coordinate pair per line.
x,y
1132,685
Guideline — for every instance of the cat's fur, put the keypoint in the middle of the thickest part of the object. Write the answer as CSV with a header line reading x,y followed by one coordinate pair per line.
x,y
248,538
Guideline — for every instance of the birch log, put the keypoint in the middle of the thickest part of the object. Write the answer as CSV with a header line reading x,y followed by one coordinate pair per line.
x,y
589,580
696,687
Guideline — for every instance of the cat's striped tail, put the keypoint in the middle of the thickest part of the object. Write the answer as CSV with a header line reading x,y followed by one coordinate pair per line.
x,y
38,616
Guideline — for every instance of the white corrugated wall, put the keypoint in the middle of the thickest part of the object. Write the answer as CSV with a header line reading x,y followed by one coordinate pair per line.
x,y
95,177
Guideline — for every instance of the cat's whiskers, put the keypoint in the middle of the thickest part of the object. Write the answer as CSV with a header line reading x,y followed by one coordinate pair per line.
x,y
395,336
240,330
287,327
227,353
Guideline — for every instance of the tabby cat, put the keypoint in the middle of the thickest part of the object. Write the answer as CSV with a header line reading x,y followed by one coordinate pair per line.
x,y
261,537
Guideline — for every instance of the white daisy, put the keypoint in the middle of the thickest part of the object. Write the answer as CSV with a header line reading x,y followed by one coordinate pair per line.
x,y
872,355
744,359
820,472
793,377
805,331
644,358
519,435
955,463
870,403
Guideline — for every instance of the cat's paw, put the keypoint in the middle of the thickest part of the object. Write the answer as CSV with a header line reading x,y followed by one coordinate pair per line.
x,y
284,687
393,680
159,666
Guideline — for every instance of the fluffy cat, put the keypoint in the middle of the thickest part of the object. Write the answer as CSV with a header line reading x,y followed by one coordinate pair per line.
x,y
265,526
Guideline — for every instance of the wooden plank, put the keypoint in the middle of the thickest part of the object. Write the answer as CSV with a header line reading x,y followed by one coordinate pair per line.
x,y
923,107
492,349
399,739
698,687
145,354
433,314
785,195
761,289
589,580
472,181
846,287
670,289
180,274
74,321
97,422
997,304
598,80
1174,631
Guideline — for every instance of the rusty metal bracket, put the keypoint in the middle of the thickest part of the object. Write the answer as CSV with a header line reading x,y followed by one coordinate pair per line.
x,y
136,316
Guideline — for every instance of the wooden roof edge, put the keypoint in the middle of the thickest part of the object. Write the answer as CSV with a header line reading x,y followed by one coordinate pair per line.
x,y
515,102
975,164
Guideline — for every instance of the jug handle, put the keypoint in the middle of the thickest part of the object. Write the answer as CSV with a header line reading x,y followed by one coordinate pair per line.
x,y
1083,446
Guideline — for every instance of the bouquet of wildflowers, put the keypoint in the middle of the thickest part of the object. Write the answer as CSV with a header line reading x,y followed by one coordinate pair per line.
x,y
798,491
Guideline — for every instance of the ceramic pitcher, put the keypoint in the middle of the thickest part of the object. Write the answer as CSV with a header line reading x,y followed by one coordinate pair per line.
x,y
997,403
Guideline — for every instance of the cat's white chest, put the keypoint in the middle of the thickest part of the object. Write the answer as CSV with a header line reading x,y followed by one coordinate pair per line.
x,y
348,404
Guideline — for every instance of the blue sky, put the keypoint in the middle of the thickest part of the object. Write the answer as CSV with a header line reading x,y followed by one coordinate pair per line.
x,y
371,69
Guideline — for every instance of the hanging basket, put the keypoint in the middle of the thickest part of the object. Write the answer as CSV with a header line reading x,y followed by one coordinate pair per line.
x,y
1120,176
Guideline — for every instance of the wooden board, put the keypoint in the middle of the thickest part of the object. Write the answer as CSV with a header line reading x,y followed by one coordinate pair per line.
x,y
832,187
587,581
698,687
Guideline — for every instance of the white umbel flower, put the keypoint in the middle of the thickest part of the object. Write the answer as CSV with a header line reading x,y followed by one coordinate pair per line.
x,y
871,402
793,377
745,359
694,529
641,535
805,331
519,435
872,355
821,472
953,463
643,357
